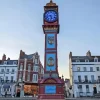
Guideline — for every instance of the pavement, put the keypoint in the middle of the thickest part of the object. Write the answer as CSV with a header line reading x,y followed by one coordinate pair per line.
x,y
30,98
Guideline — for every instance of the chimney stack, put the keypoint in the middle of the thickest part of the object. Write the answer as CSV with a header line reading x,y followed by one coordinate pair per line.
x,y
88,54
3,57
22,53
70,55
8,58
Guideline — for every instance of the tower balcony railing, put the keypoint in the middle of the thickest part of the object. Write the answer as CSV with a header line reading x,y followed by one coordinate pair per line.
x,y
7,81
86,81
84,94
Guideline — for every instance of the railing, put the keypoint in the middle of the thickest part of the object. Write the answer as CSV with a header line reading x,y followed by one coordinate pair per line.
x,y
87,82
7,81
84,94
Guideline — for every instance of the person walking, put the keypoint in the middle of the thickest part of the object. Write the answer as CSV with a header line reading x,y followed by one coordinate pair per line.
x,y
5,93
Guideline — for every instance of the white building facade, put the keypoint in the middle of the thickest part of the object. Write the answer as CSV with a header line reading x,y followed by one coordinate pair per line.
x,y
84,74
8,76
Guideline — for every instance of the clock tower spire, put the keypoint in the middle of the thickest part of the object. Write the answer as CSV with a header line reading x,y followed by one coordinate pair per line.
x,y
51,84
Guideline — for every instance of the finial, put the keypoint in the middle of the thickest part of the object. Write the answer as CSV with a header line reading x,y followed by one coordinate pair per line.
x,y
51,3
50,0
62,76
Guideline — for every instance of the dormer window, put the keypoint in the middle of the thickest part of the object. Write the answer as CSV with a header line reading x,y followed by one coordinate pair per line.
x,y
86,60
95,59
77,60
14,62
36,60
5,62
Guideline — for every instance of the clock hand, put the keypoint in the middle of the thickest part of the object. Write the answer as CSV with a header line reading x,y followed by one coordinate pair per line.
x,y
50,17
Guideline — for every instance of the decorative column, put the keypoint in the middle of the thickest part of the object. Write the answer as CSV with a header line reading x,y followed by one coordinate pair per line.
x,y
22,90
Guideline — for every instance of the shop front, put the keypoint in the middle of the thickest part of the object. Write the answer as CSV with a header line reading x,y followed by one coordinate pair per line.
x,y
31,90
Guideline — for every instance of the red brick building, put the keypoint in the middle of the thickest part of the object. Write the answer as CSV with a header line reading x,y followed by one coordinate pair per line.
x,y
30,70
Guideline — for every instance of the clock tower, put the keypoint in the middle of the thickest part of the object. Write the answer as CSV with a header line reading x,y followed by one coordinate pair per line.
x,y
51,86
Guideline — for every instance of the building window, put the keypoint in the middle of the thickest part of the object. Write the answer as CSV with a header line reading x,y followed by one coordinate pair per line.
x,y
36,60
13,71
35,78
86,78
28,77
35,68
92,78
5,62
77,60
5,89
12,78
29,67
78,68
87,88
8,89
91,69
99,78
95,59
79,78
42,71
6,78
86,60
21,66
97,68
84,68
7,71
2,70
80,88
20,76
15,62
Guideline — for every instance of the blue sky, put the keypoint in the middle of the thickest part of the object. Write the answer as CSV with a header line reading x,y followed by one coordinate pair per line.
x,y
21,28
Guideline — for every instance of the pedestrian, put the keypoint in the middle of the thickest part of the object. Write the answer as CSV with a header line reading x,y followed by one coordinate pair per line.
x,y
5,93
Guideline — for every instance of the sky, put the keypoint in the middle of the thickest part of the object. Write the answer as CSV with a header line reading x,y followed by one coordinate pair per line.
x,y
21,29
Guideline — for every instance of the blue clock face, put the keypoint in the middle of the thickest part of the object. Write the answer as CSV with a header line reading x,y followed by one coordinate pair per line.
x,y
50,16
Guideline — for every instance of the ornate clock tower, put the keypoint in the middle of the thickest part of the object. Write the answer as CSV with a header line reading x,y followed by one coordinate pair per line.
x,y
51,86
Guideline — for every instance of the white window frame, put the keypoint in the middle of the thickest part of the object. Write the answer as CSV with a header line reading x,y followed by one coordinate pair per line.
x,y
5,62
34,78
15,62
78,68
84,69
13,71
11,78
36,60
28,77
42,71
77,60
6,78
3,70
35,68
87,89
20,76
21,66
7,71
96,59
86,60
29,67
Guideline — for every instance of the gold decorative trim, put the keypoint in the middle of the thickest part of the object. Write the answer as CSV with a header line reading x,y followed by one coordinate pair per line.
x,y
50,81
51,3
